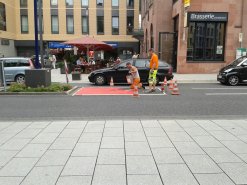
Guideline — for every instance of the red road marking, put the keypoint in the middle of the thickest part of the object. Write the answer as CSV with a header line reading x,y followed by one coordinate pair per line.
x,y
103,91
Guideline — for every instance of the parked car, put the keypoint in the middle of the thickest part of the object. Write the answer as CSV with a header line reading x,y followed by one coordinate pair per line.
x,y
234,73
120,71
14,68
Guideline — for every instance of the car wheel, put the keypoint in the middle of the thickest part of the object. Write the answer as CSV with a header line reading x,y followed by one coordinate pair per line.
x,y
20,79
233,80
99,80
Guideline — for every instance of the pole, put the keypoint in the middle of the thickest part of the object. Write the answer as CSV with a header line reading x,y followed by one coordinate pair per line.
x,y
37,65
3,76
41,34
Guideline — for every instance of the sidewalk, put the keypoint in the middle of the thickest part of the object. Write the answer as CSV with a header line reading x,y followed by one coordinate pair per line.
x,y
181,78
146,152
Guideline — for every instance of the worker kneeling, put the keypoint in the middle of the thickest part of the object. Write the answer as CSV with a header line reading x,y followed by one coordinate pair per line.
x,y
135,76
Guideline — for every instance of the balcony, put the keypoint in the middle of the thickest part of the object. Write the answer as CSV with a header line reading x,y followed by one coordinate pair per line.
x,y
138,33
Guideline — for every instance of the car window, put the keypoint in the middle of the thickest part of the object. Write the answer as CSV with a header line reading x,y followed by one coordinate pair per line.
x,y
245,63
140,63
123,64
10,63
23,62
163,64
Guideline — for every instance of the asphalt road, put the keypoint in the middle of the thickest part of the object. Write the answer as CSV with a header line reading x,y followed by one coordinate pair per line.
x,y
200,101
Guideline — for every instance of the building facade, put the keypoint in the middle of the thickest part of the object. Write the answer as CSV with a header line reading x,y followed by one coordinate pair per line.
x,y
111,21
199,37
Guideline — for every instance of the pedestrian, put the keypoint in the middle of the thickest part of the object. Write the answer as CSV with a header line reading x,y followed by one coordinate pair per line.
x,y
53,61
154,64
135,56
135,76
118,61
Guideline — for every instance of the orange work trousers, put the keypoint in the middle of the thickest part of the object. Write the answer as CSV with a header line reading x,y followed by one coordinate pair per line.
x,y
136,82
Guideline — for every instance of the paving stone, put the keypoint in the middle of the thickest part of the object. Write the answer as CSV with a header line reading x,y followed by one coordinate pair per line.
x,y
133,127
243,138
18,167
134,136
137,148
33,150
14,144
114,124
54,128
222,155
28,133
112,142
43,175
223,136
150,124
141,165
79,166
179,136
109,175
90,138
13,129
6,156
144,180
11,180
94,128
74,180
208,125
5,137
64,143
186,148
237,131
159,142
224,123
86,149
113,132
243,157
54,158
39,124
45,138
236,171
154,132
71,133
214,179
187,123
196,131
176,174
171,126
76,124
166,155
111,156
207,141
201,164
96,122
238,147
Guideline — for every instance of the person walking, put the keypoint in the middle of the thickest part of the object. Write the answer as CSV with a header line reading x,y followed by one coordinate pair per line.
x,y
154,64
53,61
135,76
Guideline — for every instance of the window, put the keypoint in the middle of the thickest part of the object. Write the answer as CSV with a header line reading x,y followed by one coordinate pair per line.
x,y
2,17
70,24
54,24
130,25
115,3
123,65
206,41
69,3
23,3
85,27
130,3
115,25
100,24
141,63
84,3
24,24
100,2
54,2
5,42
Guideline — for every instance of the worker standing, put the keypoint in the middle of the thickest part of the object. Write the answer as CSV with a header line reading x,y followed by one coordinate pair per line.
x,y
154,64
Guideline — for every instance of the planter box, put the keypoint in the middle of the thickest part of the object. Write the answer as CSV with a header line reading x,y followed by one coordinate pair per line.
x,y
62,70
38,77
76,76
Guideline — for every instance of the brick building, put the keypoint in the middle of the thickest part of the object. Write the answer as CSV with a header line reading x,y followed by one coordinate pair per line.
x,y
200,38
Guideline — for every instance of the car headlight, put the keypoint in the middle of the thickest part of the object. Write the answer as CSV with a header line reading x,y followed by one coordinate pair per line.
x,y
228,70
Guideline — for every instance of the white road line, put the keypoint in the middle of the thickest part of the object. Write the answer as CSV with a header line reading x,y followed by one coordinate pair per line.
x,y
224,94
220,88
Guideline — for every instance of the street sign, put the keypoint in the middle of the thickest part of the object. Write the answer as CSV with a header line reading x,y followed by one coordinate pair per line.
x,y
186,3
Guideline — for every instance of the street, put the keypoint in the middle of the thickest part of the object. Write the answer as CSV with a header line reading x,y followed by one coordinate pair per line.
x,y
195,101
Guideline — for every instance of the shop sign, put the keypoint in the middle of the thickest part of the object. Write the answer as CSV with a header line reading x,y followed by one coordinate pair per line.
x,y
208,16
186,3
113,44
58,45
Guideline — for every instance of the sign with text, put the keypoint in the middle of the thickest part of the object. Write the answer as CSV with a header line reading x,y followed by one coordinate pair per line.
x,y
186,3
208,16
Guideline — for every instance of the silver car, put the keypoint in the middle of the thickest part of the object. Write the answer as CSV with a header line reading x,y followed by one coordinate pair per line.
x,y
14,68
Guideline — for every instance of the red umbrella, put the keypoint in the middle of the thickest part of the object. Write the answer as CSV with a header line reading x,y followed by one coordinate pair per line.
x,y
88,43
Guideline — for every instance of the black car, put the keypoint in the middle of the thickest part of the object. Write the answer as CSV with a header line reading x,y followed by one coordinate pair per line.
x,y
234,73
120,71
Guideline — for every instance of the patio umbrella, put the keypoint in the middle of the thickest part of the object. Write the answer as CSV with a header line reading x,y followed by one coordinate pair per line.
x,y
88,43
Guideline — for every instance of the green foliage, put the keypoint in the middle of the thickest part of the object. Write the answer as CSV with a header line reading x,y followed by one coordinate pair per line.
x,y
55,87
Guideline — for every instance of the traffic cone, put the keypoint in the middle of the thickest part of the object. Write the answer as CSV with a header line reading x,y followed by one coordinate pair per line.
x,y
175,90
163,86
111,82
135,92
171,85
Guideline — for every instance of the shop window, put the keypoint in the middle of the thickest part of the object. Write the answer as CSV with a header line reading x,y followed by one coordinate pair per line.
x,y
2,17
100,24
206,41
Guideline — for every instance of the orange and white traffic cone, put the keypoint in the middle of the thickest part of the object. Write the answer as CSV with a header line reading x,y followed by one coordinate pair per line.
x,y
171,85
175,90
163,86
135,92
111,82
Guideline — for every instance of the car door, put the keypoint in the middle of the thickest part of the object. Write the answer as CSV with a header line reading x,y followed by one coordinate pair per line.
x,y
9,69
121,71
143,68
243,71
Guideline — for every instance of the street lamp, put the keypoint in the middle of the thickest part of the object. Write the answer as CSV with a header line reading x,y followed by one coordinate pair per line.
x,y
37,65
